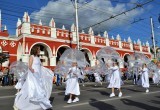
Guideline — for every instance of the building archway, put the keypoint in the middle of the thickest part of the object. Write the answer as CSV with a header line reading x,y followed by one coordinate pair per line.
x,y
60,51
87,54
45,53
125,58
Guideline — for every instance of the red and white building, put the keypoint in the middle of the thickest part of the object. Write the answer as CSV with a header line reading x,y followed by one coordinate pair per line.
x,y
53,41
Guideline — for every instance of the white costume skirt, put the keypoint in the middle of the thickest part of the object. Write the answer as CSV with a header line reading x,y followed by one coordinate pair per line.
x,y
72,86
145,80
115,81
36,90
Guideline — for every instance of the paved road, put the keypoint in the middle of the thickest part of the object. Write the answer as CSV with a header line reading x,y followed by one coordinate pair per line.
x,y
95,98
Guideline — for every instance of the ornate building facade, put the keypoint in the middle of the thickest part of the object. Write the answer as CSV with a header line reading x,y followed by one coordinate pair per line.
x,y
53,41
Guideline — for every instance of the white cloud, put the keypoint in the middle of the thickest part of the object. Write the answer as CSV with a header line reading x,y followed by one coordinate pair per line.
x,y
93,12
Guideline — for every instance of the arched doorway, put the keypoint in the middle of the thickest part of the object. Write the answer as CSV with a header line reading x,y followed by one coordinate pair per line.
x,y
45,53
60,52
88,55
126,63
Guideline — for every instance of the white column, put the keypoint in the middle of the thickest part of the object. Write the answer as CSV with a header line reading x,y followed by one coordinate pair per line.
x,y
131,46
53,61
107,42
53,32
93,62
120,44
92,39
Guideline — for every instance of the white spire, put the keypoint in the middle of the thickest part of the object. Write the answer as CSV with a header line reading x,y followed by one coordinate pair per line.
x,y
99,34
19,22
91,31
112,37
63,27
40,22
147,43
26,17
5,27
118,37
83,31
138,42
52,23
124,40
129,39
105,34
73,28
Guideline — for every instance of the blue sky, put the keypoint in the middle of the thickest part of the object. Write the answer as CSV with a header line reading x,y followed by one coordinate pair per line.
x,y
90,12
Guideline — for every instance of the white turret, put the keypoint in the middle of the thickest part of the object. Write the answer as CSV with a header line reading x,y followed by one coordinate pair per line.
x,y
105,34
112,37
129,39
63,27
40,22
19,22
26,17
124,40
138,42
83,31
73,28
91,32
118,37
147,43
5,28
52,23
26,26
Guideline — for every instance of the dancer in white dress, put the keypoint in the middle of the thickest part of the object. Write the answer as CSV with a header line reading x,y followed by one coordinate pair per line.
x,y
72,85
98,79
36,90
115,81
145,77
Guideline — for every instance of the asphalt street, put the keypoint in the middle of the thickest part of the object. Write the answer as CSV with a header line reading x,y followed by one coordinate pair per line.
x,y
95,98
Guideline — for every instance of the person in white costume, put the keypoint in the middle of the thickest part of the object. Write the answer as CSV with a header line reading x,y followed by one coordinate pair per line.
x,y
145,77
97,78
36,90
72,85
115,80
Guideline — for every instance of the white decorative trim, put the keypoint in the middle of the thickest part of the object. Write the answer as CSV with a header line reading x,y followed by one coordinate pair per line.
x,y
12,44
4,43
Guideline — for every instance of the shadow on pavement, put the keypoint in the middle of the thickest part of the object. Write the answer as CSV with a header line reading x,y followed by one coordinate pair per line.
x,y
99,105
101,92
139,105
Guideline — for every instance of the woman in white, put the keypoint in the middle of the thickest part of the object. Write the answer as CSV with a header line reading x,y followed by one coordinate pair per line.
x,y
97,78
145,77
72,85
115,81
36,90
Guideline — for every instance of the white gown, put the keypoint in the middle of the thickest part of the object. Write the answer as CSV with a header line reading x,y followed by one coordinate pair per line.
x,y
115,80
156,77
97,77
145,78
36,90
72,85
